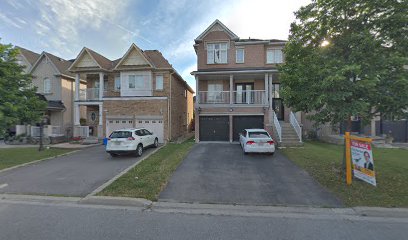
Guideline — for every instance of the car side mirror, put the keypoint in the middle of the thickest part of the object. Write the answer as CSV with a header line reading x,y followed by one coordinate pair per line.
x,y
151,133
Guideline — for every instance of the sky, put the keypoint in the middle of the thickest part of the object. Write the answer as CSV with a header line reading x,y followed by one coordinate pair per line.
x,y
64,27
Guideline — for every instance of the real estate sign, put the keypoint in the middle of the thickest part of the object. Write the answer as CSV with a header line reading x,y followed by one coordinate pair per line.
x,y
363,162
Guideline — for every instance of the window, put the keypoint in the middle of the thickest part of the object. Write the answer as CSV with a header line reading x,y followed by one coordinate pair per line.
x,y
139,133
185,93
275,90
258,135
117,83
105,85
120,134
132,81
274,56
240,55
47,85
159,82
214,94
217,53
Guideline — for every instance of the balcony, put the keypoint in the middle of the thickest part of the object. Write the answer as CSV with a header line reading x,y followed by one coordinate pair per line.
x,y
255,97
89,94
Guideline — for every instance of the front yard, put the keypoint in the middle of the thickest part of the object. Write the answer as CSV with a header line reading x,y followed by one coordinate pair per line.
x,y
324,162
10,157
149,177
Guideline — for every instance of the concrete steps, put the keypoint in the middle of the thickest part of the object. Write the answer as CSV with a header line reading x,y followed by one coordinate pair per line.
x,y
289,136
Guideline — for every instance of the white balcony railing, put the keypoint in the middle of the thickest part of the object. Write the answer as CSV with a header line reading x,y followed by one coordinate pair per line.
x,y
214,97
295,124
89,94
238,97
249,97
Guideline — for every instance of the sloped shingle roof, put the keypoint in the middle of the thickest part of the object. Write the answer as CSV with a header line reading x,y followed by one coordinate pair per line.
x,y
29,55
61,64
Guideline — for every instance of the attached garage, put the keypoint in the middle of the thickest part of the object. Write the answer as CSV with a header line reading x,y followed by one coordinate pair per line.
x,y
153,125
116,124
243,122
214,128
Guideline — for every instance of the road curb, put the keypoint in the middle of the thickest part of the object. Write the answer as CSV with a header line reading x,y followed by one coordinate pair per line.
x,y
110,181
116,201
39,160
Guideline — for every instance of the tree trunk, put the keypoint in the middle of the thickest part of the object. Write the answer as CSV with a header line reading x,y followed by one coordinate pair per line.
x,y
349,124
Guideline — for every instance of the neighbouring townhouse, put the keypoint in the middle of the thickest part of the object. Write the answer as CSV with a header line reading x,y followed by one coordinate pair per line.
x,y
140,89
237,82
56,86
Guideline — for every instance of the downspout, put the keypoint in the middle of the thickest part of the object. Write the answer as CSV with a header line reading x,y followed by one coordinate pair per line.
x,y
169,111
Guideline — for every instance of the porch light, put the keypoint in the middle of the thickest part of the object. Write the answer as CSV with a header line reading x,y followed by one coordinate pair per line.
x,y
231,109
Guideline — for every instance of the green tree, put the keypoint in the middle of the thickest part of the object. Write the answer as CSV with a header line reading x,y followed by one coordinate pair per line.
x,y
18,101
346,58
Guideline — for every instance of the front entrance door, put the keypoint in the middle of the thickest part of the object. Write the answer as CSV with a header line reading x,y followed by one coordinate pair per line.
x,y
277,105
244,93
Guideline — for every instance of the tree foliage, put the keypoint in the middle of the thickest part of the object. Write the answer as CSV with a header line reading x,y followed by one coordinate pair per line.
x,y
360,71
18,100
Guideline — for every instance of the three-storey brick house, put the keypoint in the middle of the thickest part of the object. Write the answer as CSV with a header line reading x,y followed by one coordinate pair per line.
x,y
237,84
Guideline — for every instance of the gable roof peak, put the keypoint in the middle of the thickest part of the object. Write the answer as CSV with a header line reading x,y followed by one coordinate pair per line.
x,y
223,27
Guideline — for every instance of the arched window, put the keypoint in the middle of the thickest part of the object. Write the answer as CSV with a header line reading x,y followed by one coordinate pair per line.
x,y
47,85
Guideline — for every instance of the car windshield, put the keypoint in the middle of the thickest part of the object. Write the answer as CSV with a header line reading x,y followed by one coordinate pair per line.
x,y
121,134
258,135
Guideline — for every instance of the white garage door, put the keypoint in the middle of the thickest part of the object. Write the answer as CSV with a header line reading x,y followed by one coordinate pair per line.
x,y
116,124
155,126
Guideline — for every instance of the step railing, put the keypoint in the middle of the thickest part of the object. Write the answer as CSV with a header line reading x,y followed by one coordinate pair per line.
x,y
295,124
277,126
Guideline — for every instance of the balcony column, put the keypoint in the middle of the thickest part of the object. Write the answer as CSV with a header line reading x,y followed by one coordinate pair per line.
x,y
101,86
270,91
197,90
76,114
231,86
267,94
100,125
77,86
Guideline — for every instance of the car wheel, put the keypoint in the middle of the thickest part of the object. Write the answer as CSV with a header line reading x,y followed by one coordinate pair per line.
x,y
139,150
113,154
271,154
156,143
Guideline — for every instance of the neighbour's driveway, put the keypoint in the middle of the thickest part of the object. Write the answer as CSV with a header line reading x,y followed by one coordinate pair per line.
x,y
221,173
77,174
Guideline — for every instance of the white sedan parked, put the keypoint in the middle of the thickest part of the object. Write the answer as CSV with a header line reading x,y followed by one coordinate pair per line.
x,y
132,140
257,141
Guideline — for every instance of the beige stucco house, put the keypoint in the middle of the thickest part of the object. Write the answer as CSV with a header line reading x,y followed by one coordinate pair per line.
x,y
56,85
237,82
140,89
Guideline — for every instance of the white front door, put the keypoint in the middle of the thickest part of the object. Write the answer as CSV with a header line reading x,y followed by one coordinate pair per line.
x,y
154,126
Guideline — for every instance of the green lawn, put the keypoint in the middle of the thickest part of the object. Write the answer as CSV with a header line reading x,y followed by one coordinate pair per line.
x,y
149,177
10,157
324,162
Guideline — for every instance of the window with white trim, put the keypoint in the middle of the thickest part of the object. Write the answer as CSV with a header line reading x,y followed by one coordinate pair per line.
x,y
217,53
117,83
47,85
274,56
240,55
159,82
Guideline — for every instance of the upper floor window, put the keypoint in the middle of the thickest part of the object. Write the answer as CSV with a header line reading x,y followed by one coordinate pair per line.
x,y
136,82
217,53
240,55
117,83
159,82
47,85
274,56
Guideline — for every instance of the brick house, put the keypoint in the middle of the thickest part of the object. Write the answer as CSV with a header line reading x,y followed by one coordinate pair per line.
x,y
237,82
141,89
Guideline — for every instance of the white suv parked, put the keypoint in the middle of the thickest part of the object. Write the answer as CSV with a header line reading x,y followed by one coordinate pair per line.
x,y
131,140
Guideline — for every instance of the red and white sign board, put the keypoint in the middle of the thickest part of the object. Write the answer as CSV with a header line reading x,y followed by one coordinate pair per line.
x,y
363,162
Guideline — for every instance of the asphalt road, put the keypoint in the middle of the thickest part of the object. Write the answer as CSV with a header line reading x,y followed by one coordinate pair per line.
x,y
221,173
71,221
77,174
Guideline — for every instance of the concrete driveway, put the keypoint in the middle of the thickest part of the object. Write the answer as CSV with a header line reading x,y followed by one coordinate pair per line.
x,y
77,174
221,173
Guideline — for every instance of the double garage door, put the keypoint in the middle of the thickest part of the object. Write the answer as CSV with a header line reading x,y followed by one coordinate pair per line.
x,y
153,125
217,128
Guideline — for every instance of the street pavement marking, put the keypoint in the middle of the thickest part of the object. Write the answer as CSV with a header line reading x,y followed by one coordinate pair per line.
x,y
3,185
